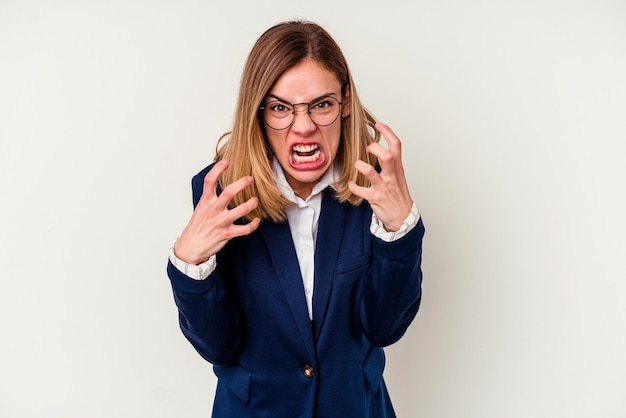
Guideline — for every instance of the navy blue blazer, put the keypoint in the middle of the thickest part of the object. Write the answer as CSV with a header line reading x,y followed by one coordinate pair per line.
x,y
249,318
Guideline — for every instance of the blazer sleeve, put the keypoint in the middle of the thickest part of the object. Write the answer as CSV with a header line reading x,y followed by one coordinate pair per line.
x,y
393,291
209,317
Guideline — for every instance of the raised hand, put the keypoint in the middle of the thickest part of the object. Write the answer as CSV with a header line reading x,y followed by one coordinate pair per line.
x,y
388,193
211,225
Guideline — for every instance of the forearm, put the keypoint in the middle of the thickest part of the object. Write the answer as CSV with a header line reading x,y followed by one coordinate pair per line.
x,y
392,293
207,316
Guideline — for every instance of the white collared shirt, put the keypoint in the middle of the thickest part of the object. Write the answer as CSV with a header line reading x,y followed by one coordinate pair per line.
x,y
303,218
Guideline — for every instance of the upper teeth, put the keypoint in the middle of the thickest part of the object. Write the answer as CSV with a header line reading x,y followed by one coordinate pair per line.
x,y
304,148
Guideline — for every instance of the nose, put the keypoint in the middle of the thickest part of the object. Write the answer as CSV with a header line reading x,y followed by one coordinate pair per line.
x,y
302,122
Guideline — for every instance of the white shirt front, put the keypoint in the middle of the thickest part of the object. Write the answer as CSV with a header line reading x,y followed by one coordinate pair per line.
x,y
303,219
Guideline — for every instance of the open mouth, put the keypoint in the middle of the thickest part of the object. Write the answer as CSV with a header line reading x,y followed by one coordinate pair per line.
x,y
305,153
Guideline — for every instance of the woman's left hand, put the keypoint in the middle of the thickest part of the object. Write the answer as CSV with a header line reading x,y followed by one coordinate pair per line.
x,y
388,193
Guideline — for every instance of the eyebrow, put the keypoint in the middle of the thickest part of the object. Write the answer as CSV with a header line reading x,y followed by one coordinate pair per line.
x,y
323,96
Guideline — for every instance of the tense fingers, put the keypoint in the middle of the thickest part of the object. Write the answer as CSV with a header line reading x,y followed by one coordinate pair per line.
x,y
389,159
388,192
243,209
212,178
232,189
212,223
390,137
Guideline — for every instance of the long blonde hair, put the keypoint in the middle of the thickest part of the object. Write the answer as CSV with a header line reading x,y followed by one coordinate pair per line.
x,y
280,48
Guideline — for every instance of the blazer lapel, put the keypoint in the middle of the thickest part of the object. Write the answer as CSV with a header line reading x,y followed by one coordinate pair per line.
x,y
283,254
329,237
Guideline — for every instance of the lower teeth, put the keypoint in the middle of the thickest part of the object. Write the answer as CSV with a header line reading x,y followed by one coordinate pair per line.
x,y
306,158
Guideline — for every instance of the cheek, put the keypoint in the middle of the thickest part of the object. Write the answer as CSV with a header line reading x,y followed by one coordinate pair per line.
x,y
276,143
335,139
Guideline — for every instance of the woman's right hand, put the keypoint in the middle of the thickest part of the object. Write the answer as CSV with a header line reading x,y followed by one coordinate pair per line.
x,y
211,225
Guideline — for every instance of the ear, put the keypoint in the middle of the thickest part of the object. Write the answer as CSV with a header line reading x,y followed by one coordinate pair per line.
x,y
345,107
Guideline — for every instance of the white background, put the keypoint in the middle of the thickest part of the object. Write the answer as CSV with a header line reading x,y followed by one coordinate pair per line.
x,y
513,118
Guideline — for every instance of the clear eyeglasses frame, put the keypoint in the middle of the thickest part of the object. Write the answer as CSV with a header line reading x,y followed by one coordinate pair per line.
x,y
279,114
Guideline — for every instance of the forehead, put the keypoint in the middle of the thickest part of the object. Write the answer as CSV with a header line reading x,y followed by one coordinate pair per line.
x,y
306,81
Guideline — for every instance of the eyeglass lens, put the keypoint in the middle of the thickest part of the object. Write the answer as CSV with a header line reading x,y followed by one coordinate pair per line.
x,y
281,115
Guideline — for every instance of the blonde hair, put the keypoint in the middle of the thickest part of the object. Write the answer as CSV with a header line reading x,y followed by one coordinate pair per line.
x,y
279,49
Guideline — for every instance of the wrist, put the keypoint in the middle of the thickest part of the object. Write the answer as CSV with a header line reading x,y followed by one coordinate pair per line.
x,y
396,225
199,271
183,253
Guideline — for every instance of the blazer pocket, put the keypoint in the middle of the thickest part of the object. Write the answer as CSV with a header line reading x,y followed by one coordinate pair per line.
x,y
354,267
236,379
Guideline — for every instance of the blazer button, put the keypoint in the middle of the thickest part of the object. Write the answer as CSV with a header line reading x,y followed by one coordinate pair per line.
x,y
309,372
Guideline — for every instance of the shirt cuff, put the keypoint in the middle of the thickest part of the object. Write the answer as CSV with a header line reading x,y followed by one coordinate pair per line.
x,y
196,272
378,229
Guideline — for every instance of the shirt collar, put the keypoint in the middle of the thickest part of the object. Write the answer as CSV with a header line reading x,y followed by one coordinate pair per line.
x,y
328,179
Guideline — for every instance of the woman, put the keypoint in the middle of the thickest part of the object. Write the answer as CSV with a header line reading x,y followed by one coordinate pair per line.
x,y
302,257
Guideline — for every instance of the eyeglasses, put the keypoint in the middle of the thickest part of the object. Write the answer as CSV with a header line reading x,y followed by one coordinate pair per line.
x,y
279,114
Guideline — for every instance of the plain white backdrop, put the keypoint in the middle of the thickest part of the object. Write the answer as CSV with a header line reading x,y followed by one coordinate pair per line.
x,y
513,119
